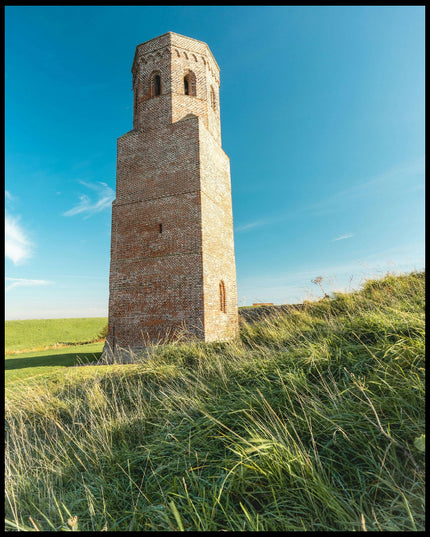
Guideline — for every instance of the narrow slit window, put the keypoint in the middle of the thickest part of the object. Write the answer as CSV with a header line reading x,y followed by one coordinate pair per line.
x,y
213,99
157,85
222,296
160,228
186,86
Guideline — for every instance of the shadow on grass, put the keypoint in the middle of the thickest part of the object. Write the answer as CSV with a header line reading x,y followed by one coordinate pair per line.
x,y
63,360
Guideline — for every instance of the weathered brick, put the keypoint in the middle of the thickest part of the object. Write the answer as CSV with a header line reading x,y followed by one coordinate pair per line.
x,y
172,250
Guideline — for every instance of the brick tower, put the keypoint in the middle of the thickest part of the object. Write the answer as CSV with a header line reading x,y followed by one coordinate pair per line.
x,y
172,252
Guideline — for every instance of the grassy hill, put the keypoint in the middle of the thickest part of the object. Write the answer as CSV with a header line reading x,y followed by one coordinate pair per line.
x,y
311,420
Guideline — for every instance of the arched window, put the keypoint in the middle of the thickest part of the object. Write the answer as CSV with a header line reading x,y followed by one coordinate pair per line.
x,y
155,84
213,99
222,296
190,84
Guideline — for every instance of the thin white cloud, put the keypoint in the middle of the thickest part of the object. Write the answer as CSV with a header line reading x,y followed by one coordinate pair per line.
x,y
18,247
399,178
24,282
8,195
409,176
343,237
251,225
87,206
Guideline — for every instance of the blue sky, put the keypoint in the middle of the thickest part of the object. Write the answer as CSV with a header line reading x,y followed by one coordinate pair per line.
x,y
322,116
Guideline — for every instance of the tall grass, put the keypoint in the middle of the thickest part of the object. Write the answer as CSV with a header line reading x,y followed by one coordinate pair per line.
x,y
311,420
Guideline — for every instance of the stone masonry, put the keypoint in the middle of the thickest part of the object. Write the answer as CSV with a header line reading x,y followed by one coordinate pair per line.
x,y
172,271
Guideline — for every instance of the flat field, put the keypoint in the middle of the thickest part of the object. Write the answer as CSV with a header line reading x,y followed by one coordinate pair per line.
x,y
37,334
37,347
28,365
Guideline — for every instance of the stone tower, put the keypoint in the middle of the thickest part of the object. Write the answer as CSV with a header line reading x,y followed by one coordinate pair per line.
x,y
172,253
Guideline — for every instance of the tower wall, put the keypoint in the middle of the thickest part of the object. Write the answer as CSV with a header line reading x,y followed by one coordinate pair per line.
x,y
156,278
172,251
217,239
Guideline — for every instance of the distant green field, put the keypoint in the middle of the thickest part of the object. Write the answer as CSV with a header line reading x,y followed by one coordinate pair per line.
x,y
25,366
39,333
34,336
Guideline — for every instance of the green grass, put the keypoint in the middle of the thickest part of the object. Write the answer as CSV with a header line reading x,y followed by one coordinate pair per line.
x,y
312,420
29,346
40,333
23,366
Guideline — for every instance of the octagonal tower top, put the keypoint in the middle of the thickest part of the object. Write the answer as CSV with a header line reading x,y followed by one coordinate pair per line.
x,y
175,76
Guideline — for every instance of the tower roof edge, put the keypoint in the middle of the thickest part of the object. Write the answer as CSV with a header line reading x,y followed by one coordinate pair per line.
x,y
171,34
